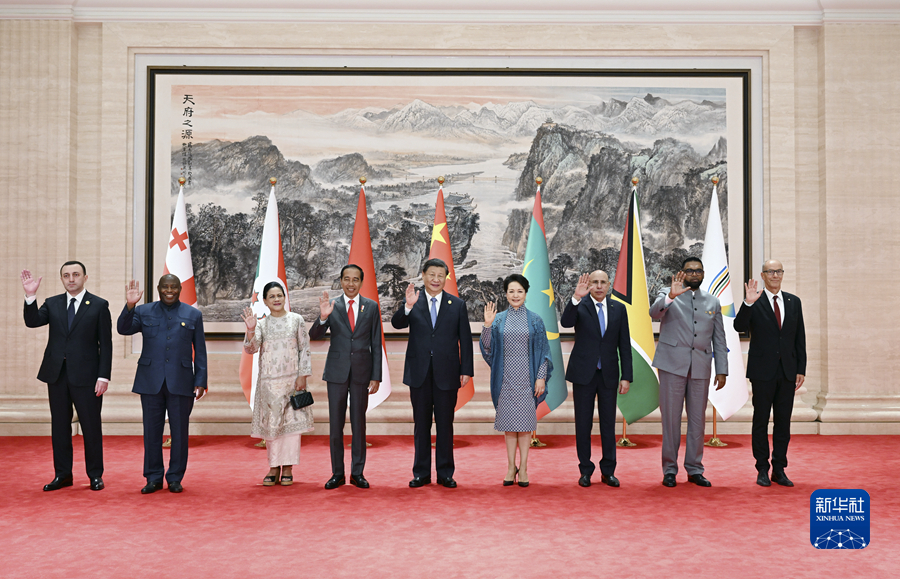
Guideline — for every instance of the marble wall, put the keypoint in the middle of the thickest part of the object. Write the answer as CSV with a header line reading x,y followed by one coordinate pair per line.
x,y
831,140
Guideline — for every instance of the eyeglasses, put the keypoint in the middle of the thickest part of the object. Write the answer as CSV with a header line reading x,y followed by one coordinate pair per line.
x,y
773,271
692,271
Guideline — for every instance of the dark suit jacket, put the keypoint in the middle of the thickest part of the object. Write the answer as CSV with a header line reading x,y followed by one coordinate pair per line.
x,y
171,338
359,350
768,344
87,347
590,347
450,341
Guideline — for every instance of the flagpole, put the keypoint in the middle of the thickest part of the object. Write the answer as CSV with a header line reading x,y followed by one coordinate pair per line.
x,y
714,441
624,442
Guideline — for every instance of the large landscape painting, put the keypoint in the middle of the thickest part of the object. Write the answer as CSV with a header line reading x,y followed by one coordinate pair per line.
x,y
489,136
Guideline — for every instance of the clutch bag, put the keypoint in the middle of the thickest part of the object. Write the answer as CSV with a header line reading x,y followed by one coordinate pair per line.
x,y
301,399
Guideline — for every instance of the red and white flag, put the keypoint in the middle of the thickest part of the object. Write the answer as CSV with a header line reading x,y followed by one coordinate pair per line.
x,y
361,255
270,267
178,254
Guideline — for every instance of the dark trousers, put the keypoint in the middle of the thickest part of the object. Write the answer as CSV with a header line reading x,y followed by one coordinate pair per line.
x,y
583,396
155,407
337,413
775,397
63,395
428,400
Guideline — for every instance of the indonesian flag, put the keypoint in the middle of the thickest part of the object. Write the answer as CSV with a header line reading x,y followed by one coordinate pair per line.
x,y
542,301
361,255
178,254
440,248
270,267
734,395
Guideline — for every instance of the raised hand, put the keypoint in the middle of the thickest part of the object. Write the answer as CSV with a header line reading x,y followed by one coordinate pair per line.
x,y
751,291
678,286
29,284
325,306
250,319
490,312
581,289
133,293
412,296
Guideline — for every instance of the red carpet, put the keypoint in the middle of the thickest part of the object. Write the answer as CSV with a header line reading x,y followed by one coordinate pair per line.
x,y
226,525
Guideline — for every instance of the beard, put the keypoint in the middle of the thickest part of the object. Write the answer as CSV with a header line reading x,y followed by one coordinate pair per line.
x,y
694,284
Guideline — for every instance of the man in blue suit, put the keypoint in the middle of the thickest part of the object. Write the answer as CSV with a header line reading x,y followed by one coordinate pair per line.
x,y
438,363
601,342
166,378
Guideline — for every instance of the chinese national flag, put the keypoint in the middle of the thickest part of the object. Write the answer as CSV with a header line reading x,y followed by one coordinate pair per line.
x,y
440,248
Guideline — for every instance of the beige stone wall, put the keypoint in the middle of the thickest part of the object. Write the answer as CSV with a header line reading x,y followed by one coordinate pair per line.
x,y
830,121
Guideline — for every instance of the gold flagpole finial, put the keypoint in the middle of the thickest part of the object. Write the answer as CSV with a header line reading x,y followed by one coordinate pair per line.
x,y
181,181
538,180
362,180
441,179
715,180
272,181
635,181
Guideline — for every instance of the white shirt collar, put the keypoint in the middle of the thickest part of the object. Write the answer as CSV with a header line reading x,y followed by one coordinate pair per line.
x,y
596,302
78,299
770,295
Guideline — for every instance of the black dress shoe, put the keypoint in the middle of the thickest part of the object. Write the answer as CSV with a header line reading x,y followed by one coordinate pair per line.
x,y
763,480
669,480
419,482
779,478
58,483
450,483
609,480
175,487
335,481
584,481
699,480
151,487
97,484
359,481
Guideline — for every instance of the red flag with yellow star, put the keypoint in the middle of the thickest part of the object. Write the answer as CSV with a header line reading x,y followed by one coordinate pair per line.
x,y
440,248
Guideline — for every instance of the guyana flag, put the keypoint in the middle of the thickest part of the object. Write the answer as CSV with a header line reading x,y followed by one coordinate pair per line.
x,y
630,288
540,300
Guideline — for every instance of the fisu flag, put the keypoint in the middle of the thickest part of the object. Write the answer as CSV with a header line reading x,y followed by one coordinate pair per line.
x,y
717,281
270,267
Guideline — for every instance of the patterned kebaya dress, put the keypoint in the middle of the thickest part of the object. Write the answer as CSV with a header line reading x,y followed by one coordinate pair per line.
x,y
515,407
283,346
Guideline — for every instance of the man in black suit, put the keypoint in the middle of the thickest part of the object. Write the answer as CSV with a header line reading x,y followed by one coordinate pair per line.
x,y
776,366
171,374
438,364
78,357
602,341
353,364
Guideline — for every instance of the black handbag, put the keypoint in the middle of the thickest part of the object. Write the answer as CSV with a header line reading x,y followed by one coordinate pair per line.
x,y
301,399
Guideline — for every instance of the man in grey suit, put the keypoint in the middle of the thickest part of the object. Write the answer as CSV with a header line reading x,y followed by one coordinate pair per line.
x,y
690,331
353,365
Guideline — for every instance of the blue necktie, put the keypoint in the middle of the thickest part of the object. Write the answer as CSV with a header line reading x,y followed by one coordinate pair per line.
x,y
602,321
71,311
433,311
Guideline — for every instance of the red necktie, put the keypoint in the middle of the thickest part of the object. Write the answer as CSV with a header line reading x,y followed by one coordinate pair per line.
x,y
353,319
777,311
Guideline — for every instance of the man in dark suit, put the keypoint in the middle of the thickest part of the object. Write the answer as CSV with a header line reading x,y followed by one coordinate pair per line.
x,y
166,378
76,367
353,364
776,366
690,330
438,364
602,341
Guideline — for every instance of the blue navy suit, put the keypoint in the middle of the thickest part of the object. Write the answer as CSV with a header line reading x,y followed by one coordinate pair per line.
x,y
171,366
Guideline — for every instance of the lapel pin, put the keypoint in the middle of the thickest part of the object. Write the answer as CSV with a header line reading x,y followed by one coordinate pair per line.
x,y
362,309
449,301
87,302
182,323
